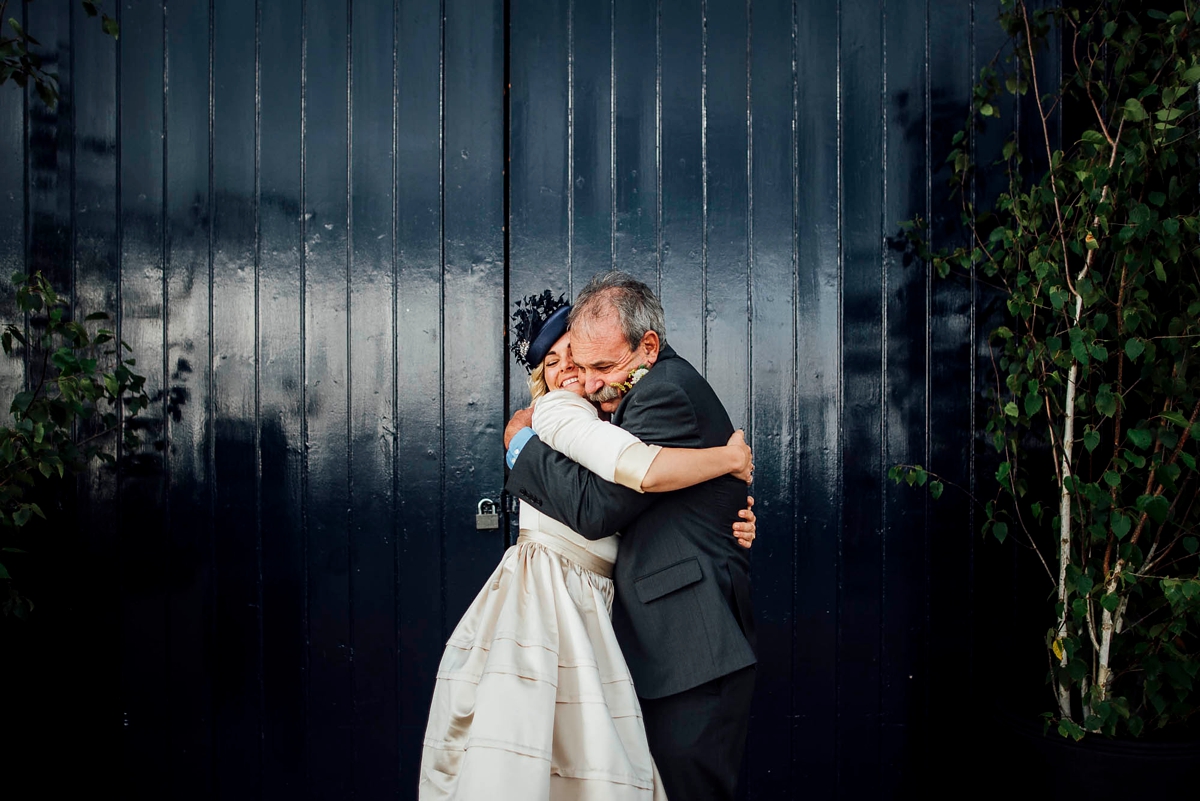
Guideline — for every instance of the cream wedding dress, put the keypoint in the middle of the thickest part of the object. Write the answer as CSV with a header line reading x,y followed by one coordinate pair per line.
x,y
533,700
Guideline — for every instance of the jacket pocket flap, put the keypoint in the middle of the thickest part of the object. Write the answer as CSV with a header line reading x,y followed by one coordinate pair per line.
x,y
667,580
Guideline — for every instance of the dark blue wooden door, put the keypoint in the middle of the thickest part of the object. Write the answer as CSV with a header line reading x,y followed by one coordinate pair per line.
x,y
310,217
752,162
296,211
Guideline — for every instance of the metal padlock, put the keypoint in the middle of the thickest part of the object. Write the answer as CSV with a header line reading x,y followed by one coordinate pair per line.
x,y
488,516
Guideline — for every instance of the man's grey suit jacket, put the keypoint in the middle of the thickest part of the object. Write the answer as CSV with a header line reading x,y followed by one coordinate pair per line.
x,y
682,614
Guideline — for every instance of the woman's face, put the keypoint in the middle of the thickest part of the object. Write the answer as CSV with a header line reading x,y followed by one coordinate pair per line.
x,y
561,372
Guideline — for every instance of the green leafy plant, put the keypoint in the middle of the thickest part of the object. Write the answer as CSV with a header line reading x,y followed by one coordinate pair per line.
x,y
78,382
23,65
1095,404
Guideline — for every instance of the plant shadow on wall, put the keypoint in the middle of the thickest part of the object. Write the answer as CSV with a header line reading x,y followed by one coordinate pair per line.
x,y
1094,397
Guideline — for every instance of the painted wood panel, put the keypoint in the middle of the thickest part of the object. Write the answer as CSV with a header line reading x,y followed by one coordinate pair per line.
x,y
311,219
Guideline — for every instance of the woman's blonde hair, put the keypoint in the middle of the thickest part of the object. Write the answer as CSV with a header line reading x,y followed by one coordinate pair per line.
x,y
537,382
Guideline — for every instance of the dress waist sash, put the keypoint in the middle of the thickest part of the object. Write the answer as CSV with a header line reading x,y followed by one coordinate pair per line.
x,y
580,556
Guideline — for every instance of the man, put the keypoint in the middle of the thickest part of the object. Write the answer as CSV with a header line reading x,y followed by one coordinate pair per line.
x,y
682,613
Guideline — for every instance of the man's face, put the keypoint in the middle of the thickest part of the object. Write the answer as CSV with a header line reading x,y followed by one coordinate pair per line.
x,y
605,358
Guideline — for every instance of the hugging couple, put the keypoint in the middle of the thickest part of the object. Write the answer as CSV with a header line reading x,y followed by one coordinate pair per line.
x,y
610,656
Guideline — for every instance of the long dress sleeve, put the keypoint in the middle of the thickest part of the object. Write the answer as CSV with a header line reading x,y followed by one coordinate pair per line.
x,y
570,425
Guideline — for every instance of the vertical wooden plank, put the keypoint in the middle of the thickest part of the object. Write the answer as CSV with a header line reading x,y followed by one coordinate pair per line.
x,y
540,187
591,138
149,686
50,151
473,292
13,227
281,400
862,385
417,387
682,279
183,83
726,313
772,367
372,414
635,146
41,573
331,742
16,744
819,495
12,221
236,668
94,90
997,569
950,530
903,668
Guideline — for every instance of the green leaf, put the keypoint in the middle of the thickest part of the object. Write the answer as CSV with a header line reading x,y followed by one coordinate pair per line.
x,y
935,489
1154,505
47,93
1134,348
4,572
1091,439
1139,437
110,27
1106,402
1033,403
1176,418
1191,75
1000,531
1110,602
1121,524
1111,478
1083,585
1191,544
22,515
1134,110
1011,410
21,401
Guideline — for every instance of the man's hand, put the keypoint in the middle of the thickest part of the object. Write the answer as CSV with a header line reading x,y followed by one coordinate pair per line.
x,y
744,529
522,419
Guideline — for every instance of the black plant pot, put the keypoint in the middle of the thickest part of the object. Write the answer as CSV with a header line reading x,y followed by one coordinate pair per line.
x,y
1048,765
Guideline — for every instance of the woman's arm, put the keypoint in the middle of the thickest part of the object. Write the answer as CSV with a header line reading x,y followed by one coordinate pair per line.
x,y
676,468
570,425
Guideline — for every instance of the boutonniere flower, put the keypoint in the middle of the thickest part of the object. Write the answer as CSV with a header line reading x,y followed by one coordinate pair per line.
x,y
635,376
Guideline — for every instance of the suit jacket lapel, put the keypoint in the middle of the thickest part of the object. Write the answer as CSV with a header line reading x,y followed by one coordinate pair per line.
x,y
664,353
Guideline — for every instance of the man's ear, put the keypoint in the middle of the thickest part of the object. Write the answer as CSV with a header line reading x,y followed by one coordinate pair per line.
x,y
649,347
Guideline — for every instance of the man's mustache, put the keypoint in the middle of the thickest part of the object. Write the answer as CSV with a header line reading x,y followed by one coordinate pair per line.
x,y
605,394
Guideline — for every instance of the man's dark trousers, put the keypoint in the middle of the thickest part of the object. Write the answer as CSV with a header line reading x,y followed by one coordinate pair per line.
x,y
697,736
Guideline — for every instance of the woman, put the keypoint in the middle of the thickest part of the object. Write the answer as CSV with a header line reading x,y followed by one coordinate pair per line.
x,y
533,699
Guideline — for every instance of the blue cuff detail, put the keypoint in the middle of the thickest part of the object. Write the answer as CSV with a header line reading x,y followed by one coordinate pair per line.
x,y
516,444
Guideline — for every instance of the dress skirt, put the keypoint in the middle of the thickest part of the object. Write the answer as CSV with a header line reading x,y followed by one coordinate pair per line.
x,y
533,699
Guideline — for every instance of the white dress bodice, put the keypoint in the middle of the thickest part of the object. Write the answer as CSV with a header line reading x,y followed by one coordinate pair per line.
x,y
570,425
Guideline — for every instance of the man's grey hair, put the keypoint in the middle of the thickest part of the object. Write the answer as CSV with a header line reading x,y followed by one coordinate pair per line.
x,y
637,309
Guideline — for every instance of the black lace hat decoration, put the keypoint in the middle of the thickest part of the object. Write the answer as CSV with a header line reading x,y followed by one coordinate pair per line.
x,y
539,321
